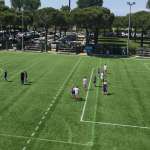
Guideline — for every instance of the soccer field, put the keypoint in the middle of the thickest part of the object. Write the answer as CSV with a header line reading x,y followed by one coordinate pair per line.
x,y
43,116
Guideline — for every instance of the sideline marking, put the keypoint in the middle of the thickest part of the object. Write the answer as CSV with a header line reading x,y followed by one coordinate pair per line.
x,y
134,88
83,110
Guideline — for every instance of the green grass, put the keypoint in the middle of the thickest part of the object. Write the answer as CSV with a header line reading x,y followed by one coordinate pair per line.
x,y
122,42
22,107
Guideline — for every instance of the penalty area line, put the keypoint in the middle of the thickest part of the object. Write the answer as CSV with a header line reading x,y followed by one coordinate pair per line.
x,y
115,124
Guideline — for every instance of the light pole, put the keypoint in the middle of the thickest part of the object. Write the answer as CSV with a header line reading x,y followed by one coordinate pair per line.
x,y
129,27
11,6
22,41
70,5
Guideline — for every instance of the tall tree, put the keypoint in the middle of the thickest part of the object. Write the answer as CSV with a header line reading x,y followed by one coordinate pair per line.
x,y
89,3
17,4
45,18
120,22
26,4
65,8
92,19
148,4
66,21
142,23
31,5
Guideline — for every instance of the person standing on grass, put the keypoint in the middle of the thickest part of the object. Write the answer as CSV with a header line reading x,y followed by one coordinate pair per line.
x,y
94,80
85,83
5,75
25,77
77,92
102,77
105,88
98,72
22,76
73,92
105,68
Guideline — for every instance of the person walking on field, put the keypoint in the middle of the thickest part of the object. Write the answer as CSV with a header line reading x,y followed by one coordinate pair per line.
x,y
73,92
105,88
77,92
85,83
25,77
102,77
5,75
105,68
22,75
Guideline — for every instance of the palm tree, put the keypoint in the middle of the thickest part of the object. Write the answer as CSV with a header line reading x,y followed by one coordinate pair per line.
x,y
26,4
17,4
148,4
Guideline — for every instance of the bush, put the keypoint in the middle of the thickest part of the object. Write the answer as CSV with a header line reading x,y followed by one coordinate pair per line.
x,y
132,48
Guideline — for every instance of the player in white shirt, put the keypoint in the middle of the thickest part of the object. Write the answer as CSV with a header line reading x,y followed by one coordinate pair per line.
x,y
77,91
105,68
85,83
102,76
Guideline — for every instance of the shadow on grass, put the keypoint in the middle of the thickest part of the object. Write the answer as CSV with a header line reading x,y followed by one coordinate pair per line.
x,y
78,99
91,89
9,81
98,86
28,83
109,94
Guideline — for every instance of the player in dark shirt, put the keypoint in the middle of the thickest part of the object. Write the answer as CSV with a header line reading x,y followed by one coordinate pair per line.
x,y
105,88
25,77
22,77
5,75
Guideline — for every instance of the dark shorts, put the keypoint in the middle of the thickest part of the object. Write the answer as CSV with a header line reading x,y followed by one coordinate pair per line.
x,y
104,88
73,93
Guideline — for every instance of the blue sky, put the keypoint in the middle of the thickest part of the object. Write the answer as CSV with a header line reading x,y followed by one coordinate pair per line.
x,y
119,7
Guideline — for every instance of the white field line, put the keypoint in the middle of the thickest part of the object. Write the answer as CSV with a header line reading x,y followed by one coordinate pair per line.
x,y
115,124
83,110
119,87
50,106
43,139
141,59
